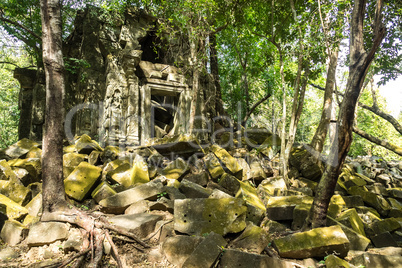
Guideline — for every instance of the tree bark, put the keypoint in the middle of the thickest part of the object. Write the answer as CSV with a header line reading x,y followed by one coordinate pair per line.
x,y
360,61
387,145
52,155
317,143
213,58
252,109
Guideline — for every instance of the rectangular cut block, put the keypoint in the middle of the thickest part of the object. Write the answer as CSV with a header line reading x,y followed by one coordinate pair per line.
x,y
199,216
228,160
81,180
318,242
281,207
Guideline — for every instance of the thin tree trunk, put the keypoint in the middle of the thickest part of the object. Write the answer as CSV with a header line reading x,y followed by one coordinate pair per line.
x,y
317,143
195,88
360,61
283,166
52,155
213,58
387,145
252,109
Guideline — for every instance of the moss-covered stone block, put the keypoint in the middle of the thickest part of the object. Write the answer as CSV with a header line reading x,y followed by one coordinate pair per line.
x,y
6,172
281,207
176,169
213,166
140,172
376,201
351,219
249,194
71,161
78,184
318,242
334,261
121,175
336,205
110,153
34,152
271,185
230,183
227,160
102,191
85,145
11,208
386,225
253,239
19,149
200,216
32,165
16,192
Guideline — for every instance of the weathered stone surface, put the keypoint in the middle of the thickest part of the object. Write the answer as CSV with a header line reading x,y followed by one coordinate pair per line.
x,y
81,180
12,209
213,166
74,242
194,190
200,178
6,173
141,224
8,254
253,239
140,171
13,232
217,194
237,258
271,184
228,161
35,205
102,191
121,175
351,219
206,253
249,194
44,233
32,165
199,216
141,206
386,225
16,192
384,240
176,169
334,261
230,183
372,199
318,242
352,201
257,173
357,241
369,260
71,161
85,145
110,153
178,248
281,207
19,149
120,201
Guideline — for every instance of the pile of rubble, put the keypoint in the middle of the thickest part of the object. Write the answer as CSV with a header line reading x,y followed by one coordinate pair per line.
x,y
205,206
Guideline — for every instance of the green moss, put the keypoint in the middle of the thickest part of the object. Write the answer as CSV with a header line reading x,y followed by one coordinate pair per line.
x,y
81,180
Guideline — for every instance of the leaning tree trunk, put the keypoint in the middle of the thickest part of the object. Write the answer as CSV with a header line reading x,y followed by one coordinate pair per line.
x,y
317,143
360,61
52,157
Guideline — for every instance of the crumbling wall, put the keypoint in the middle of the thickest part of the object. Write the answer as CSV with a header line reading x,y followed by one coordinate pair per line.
x,y
120,77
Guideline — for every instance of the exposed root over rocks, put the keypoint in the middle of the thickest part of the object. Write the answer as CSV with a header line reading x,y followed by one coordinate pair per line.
x,y
97,230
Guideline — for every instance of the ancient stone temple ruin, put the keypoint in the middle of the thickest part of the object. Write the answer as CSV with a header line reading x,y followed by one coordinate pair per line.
x,y
122,83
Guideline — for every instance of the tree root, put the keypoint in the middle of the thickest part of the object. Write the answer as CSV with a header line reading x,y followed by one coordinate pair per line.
x,y
96,227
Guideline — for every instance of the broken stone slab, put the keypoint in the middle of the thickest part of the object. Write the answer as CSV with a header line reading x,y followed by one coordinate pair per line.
x,y
207,252
270,185
245,167
139,171
6,172
45,233
110,153
194,190
281,207
384,240
182,145
94,158
395,192
201,178
85,145
357,241
372,199
257,173
70,162
141,206
16,192
228,161
253,239
200,216
217,194
318,242
35,205
11,209
32,165
237,258
178,248
249,194
8,254
13,232
386,225
121,175
74,241
334,261
370,260
352,201
18,149
176,169
230,183
213,166
102,191
351,219
79,183
141,224
119,202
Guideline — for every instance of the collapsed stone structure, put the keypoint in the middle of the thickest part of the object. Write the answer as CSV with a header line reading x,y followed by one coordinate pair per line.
x,y
122,85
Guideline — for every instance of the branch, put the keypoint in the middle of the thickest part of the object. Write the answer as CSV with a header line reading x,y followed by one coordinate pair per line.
x,y
374,109
243,123
21,27
382,143
6,62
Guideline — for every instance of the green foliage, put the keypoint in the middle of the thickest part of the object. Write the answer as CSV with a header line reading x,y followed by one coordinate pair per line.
x,y
76,66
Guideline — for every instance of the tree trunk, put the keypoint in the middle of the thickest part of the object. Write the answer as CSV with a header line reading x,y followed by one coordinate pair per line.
x,y
360,61
320,135
196,74
52,155
213,58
